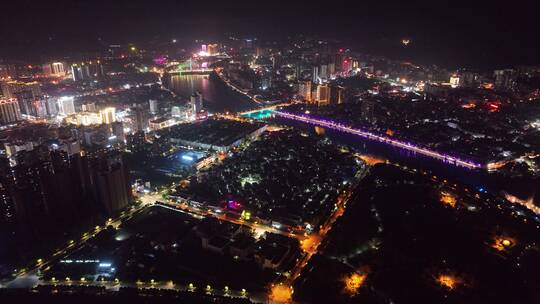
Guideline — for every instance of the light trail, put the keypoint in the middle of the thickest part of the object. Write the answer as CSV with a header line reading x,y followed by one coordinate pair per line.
x,y
396,143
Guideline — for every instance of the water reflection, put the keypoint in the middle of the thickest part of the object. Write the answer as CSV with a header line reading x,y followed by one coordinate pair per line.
x,y
217,96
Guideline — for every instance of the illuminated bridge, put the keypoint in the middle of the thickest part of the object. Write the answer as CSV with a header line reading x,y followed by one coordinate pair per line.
x,y
262,113
396,143
190,67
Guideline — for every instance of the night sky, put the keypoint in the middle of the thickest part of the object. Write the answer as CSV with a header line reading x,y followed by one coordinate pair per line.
x,y
483,34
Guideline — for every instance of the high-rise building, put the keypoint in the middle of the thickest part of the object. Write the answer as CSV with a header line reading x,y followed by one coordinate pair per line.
x,y
39,108
87,70
112,181
66,105
11,89
54,69
315,74
154,106
367,111
45,193
52,106
336,94
304,90
505,79
454,80
50,190
338,61
331,69
117,130
136,141
196,101
9,111
108,115
89,107
176,111
323,94
141,119
346,65
7,71
213,49
469,79
323,72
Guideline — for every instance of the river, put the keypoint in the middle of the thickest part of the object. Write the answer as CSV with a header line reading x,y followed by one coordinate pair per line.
x,y
219,97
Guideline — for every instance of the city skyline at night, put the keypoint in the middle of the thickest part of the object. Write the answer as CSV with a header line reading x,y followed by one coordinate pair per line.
x,y
269,152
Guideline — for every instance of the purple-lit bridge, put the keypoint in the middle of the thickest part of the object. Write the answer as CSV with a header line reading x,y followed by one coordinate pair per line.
x,y
383,139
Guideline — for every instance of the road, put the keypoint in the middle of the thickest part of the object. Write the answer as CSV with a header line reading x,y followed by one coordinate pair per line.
x,y
29,277
281,292
253,224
